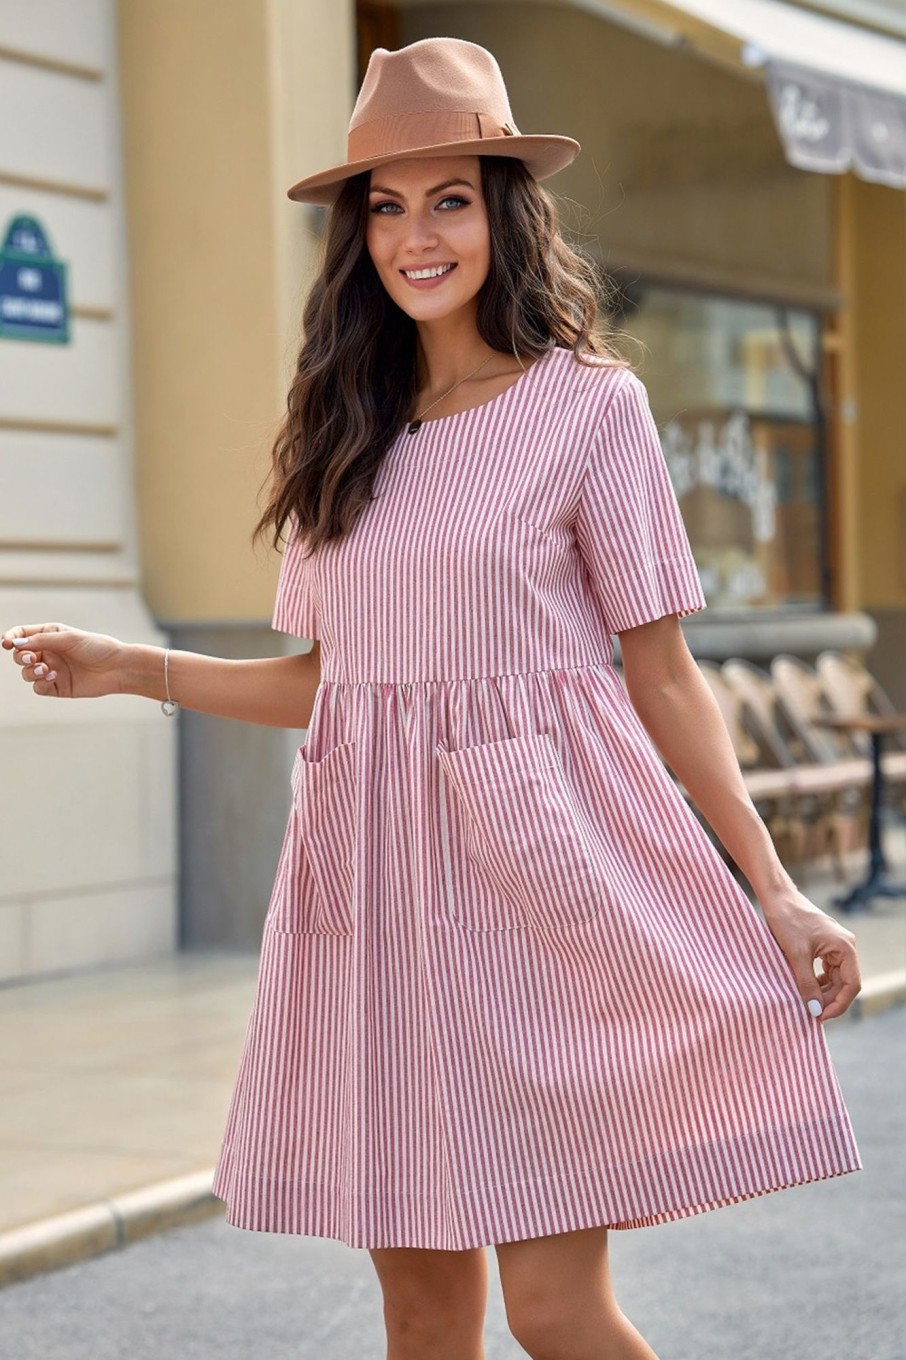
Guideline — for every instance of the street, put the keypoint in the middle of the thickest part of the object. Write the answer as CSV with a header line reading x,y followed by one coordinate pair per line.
x,y
805,1273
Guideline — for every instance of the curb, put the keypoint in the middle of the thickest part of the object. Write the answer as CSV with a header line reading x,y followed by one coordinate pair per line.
x,y
65,1239
879,993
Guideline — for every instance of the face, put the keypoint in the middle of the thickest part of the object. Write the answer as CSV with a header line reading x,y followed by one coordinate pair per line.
x,y
423,213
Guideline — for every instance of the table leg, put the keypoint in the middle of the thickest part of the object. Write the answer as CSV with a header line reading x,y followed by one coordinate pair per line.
x,y
877,882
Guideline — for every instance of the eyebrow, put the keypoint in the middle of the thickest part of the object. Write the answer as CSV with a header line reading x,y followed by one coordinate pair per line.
x,y
448,183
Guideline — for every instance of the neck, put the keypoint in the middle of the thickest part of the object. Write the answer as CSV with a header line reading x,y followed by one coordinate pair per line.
x,y
448,349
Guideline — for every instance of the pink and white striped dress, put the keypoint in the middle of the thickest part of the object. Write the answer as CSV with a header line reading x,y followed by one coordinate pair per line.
x,y
507,986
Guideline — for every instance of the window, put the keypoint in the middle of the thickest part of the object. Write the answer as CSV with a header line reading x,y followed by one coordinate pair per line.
x,y
734,394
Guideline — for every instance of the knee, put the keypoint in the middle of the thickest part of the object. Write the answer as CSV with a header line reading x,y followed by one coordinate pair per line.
x,y
423,1319
417,1328
543,1325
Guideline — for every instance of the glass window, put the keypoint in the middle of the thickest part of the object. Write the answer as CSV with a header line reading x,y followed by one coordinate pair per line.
x,y
733,393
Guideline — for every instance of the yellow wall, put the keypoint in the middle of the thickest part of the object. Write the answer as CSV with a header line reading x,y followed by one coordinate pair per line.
x,y
224,106
871,222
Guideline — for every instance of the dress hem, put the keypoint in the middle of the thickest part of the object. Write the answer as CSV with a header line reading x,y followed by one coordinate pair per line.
x,y
257,1213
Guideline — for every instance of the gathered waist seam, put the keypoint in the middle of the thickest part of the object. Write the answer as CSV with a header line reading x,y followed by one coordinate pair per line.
x,y
470,679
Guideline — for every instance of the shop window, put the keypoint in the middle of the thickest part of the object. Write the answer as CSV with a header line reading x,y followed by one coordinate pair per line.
x,y
734,393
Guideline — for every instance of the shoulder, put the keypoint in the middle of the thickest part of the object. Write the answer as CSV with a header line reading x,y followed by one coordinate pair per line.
x,y
595,379
584,389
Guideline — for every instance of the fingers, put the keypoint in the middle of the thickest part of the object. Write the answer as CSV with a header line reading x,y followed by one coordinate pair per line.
x,y
47,686
41,671
25,642
35,669
843,982
34,665
27,631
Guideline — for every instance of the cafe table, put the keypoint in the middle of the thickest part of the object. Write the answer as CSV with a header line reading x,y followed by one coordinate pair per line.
x,y
877,881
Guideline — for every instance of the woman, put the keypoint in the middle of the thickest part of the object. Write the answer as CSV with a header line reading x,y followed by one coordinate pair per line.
x,y
509,992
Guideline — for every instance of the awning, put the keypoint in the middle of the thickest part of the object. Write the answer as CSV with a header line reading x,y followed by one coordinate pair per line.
x,y
837,91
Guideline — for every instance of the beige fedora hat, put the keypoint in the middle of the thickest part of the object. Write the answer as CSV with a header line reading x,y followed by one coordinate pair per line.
x,y
436,97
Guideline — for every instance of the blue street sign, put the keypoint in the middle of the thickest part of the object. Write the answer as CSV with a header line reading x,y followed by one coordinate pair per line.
x,y
33,303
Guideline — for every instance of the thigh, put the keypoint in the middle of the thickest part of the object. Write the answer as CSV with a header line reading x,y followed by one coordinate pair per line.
x,y
436,1299
553,1277
566,1264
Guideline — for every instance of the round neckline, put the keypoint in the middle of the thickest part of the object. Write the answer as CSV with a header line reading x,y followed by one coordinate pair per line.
x,y
481,406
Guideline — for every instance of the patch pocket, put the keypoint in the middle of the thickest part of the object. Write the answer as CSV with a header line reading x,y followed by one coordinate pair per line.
x,y
526,837
313,891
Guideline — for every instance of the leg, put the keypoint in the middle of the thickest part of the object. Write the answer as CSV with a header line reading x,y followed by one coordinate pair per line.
x,y
434,1302
559,1300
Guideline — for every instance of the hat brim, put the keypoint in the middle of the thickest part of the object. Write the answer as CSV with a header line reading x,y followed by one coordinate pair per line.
x,y
543,155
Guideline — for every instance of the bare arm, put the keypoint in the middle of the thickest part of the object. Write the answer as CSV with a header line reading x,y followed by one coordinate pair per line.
x,y
274,691
683,719
62,662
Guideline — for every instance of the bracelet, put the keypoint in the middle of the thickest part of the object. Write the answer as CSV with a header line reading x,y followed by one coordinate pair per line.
x,y
168,706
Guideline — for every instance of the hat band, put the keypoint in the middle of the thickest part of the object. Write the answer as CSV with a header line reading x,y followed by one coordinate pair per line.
x,y
404,132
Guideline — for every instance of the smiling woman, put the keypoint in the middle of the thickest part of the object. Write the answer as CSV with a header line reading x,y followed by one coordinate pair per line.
x,y
509,994
457,294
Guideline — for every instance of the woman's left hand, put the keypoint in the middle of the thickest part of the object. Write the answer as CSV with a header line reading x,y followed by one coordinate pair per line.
x,y
805,933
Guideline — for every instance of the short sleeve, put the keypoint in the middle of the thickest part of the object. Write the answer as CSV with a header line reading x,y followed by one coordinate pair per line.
x,y
629,528
295,607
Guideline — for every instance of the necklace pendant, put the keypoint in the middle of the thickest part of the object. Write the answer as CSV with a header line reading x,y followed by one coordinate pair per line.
x,y
414,426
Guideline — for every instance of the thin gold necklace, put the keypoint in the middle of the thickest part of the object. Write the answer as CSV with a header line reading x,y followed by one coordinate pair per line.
x,y
416,424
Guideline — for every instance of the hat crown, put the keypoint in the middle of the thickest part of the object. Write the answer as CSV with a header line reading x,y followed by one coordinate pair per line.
x,y
435,97
435,75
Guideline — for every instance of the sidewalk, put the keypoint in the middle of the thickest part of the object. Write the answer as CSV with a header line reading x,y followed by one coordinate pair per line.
x,y
114,1085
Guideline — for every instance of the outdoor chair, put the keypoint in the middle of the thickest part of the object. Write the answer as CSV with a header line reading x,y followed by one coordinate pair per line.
x,y
850,687
801,699
829,796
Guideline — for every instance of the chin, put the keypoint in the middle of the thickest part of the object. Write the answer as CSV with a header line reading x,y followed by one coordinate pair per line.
x,y
434,311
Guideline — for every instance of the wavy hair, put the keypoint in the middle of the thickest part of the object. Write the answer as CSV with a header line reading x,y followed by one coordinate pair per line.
x,y
355,382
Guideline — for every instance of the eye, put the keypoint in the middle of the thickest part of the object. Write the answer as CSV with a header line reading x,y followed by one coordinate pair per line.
x,y
386,204
455,198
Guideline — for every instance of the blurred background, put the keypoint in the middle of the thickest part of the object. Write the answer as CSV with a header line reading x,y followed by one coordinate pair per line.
x,y
742,188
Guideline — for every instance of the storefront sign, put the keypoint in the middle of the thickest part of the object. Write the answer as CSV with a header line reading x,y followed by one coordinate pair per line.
x,y
831,125
33,304
726,459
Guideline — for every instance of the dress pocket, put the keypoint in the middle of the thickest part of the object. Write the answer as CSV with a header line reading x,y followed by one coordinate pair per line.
x,y
313,891
525,836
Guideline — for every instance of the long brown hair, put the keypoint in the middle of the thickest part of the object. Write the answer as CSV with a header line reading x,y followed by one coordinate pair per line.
x,y
356,376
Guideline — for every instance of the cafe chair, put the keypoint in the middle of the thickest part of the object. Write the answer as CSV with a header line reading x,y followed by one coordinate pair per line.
x,y
831,797
850,687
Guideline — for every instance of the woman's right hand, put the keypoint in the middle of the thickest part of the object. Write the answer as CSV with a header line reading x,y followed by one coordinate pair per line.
x,y
67,662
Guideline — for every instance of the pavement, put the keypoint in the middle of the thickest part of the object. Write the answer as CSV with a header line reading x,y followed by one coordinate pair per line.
x,y
115,1083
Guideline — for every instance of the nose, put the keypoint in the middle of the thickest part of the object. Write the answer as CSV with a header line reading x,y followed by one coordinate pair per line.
x,y
420,232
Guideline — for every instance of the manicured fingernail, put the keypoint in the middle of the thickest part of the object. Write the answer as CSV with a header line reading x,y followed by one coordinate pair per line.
x,y
28,658
815,1006
51,675
20,642
39,670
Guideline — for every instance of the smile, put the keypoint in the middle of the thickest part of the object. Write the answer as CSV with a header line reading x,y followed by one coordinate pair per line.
x,y
434,272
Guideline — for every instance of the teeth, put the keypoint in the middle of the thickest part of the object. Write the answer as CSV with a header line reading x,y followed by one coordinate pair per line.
x,y
427,273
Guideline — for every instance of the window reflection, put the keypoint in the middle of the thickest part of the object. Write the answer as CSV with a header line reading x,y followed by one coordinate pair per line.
x,y
733,393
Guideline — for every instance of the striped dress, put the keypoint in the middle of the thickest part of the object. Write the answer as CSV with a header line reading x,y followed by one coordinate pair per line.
x,y
507,986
